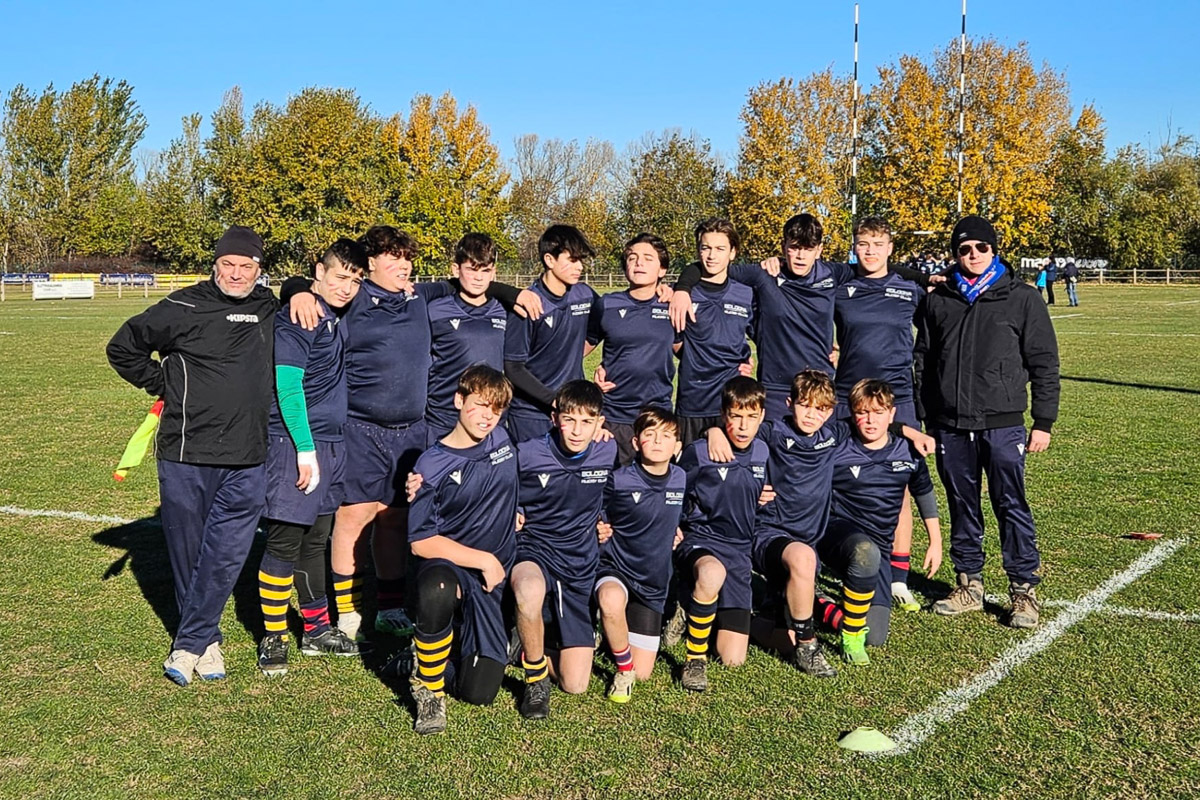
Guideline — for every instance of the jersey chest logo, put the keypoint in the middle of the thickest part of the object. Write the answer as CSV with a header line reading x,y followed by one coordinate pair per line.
x,y
637,497
375,300
722,471
850,290
790,443
695,308
454,323
621,313
854,471
543,478
456,476
1020,449
549,322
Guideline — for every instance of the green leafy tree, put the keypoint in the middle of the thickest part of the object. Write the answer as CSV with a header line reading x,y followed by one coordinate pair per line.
x,y
181,221
674,182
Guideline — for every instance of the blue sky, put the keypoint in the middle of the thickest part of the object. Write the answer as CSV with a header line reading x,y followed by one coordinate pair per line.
x,y
608,70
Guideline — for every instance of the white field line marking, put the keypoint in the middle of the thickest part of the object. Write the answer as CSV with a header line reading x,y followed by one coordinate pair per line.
x,y
1184,303
75,515
919,727
1066,316
1118,611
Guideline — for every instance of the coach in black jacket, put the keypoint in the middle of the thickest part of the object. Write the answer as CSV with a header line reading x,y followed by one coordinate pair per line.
x,y
215,372
982,336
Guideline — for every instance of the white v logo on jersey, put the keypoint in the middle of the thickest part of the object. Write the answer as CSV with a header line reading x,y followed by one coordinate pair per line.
x,y
454,323
1021,448
780,279
543,478
637,497
550,321
456,476
621,312
850,291
854,471
722,471
791,443
375,300
694,307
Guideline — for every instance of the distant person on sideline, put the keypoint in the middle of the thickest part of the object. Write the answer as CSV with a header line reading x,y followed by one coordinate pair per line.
x,y
1071,276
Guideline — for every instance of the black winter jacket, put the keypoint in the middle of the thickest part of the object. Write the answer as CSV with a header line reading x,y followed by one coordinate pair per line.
x,y
973,362
215,371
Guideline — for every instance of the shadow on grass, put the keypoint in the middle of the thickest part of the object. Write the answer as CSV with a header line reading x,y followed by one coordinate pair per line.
x,y
146,559
1150,386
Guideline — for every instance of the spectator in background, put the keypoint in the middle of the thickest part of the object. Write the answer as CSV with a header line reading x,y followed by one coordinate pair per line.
x,y
1071,276
1051,277
1040,282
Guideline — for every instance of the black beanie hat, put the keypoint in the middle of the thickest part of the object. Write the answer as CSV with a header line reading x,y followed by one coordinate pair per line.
x,y
240,241
972,228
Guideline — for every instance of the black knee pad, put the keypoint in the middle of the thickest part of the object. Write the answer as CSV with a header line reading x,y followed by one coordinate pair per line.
x,y
316,539
284,540
479,680
437,598
863,563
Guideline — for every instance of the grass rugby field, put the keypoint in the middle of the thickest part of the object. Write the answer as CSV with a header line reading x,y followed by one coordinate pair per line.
x,y
1106,706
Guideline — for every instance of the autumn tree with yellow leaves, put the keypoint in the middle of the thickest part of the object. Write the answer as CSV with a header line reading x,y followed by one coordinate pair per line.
x,y
793,157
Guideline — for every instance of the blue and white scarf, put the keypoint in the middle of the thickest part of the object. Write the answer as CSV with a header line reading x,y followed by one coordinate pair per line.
x,y
972,289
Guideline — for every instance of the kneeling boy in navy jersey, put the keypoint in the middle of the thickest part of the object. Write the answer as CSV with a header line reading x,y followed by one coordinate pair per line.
x,y
713,560
563,475
462,527
642,503
870,475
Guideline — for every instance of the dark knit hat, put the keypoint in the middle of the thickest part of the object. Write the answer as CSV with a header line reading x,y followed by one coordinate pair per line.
x,y
240,241
972,228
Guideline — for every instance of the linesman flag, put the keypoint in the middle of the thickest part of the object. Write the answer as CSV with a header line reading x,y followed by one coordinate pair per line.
x,y
135,451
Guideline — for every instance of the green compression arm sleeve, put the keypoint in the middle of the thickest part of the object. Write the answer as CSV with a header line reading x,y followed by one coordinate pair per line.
x,y
289,385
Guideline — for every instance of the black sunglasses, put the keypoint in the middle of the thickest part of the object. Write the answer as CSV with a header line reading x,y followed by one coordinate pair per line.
x,y
982,247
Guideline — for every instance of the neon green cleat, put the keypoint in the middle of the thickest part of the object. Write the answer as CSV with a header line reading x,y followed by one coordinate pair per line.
x,y
854,648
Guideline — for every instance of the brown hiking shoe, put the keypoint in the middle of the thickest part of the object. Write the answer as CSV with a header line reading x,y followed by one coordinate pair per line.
x,y
1025,609
967,596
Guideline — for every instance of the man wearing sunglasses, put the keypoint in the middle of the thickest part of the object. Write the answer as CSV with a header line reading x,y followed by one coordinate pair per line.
x,y
982,336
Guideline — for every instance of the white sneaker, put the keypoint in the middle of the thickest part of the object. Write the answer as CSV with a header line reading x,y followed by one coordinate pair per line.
x,y
394,621
350,623
180,666
211,665
903,597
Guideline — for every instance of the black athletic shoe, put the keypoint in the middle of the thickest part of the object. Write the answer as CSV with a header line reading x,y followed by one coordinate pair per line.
x,y
695,675
431,711
329,642
810,659
273,655
535,703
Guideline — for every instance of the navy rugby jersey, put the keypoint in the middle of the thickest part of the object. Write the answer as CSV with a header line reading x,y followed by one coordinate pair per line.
x,y
551,347
638,356
794,331
644,512
469,495
713,346
722,499
561,497
319,353
868,487
800,470
387,352
462,335
874,319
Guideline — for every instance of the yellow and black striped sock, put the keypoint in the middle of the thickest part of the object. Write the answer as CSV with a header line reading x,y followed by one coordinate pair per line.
x,y
347,593
700,618
433,651
856,605
535,670
274,593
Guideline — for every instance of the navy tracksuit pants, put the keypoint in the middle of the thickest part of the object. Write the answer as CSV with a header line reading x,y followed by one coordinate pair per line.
x,y
962,458
209,515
